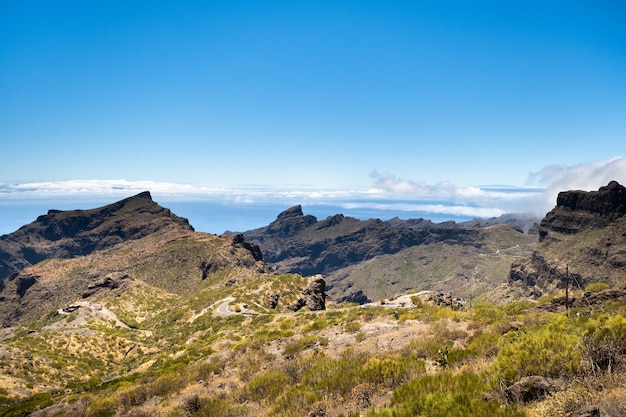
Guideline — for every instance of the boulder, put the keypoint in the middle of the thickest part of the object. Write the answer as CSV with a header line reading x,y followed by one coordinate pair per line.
x,y
532,388
440,299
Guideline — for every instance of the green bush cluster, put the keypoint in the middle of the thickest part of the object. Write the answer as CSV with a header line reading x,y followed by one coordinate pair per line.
x,y
303,381
444,395
550,351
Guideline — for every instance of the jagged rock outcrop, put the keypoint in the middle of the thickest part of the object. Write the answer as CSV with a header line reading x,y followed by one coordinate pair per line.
x,y
313,296
289,222
272,300
582,240
300,244
441,299
67,234
533,388
577,211
255,250
111,282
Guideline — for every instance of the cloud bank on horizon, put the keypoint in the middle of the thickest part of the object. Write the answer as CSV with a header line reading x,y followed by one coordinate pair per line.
x,y
388,192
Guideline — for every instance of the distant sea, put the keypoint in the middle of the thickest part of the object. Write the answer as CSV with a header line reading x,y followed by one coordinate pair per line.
x,y
210,216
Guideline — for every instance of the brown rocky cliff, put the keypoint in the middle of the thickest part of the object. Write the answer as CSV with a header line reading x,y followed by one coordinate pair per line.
x,y
585,233
577,211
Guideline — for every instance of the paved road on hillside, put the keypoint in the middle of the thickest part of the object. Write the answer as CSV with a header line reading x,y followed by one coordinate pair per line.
x,y
223,307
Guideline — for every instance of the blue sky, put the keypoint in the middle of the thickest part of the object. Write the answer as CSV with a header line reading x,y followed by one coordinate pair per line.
x,y
312,100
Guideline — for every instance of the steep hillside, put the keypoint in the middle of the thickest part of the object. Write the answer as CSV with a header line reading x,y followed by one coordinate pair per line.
x,y
368,260
66,234
583,238
176,261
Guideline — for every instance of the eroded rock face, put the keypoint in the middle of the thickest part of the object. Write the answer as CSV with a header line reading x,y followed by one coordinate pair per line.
x,y
582,240
272,300
313,296
255,250
110,283
577,211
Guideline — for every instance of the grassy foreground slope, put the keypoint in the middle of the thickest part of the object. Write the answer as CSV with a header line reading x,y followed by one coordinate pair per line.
x,y
148,352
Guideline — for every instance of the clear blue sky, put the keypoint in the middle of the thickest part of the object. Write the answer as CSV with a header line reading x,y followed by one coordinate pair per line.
x,y
329,95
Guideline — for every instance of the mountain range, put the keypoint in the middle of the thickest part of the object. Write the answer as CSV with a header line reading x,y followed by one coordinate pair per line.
x,y
125,310
366,260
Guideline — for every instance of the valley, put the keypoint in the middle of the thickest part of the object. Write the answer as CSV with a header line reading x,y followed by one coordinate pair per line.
x,y
369,319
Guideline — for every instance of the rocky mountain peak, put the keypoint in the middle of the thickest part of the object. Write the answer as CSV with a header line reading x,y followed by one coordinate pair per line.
x,y
289,222
71,233
584,233
608,201
578,210
295,211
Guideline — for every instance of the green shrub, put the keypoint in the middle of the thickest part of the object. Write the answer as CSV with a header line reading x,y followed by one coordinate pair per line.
x,y
485,314
444,395
352,326
485,345
604,342
27,405
317,325
334,378
549,351
220,408
299,345
267,386
597,287
103,407
393,371
295,401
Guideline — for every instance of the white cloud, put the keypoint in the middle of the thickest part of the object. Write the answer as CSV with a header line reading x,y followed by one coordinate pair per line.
x,y
387,193
100,188
390,185
588,177
452,210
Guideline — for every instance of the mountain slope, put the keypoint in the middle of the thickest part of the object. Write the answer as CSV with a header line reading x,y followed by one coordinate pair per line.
x,y
173,260
465,271
67,234
583,237
368,260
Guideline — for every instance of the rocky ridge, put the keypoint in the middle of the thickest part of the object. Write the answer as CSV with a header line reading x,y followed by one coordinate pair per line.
x,y
67,234
348,251
581,240
86,254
